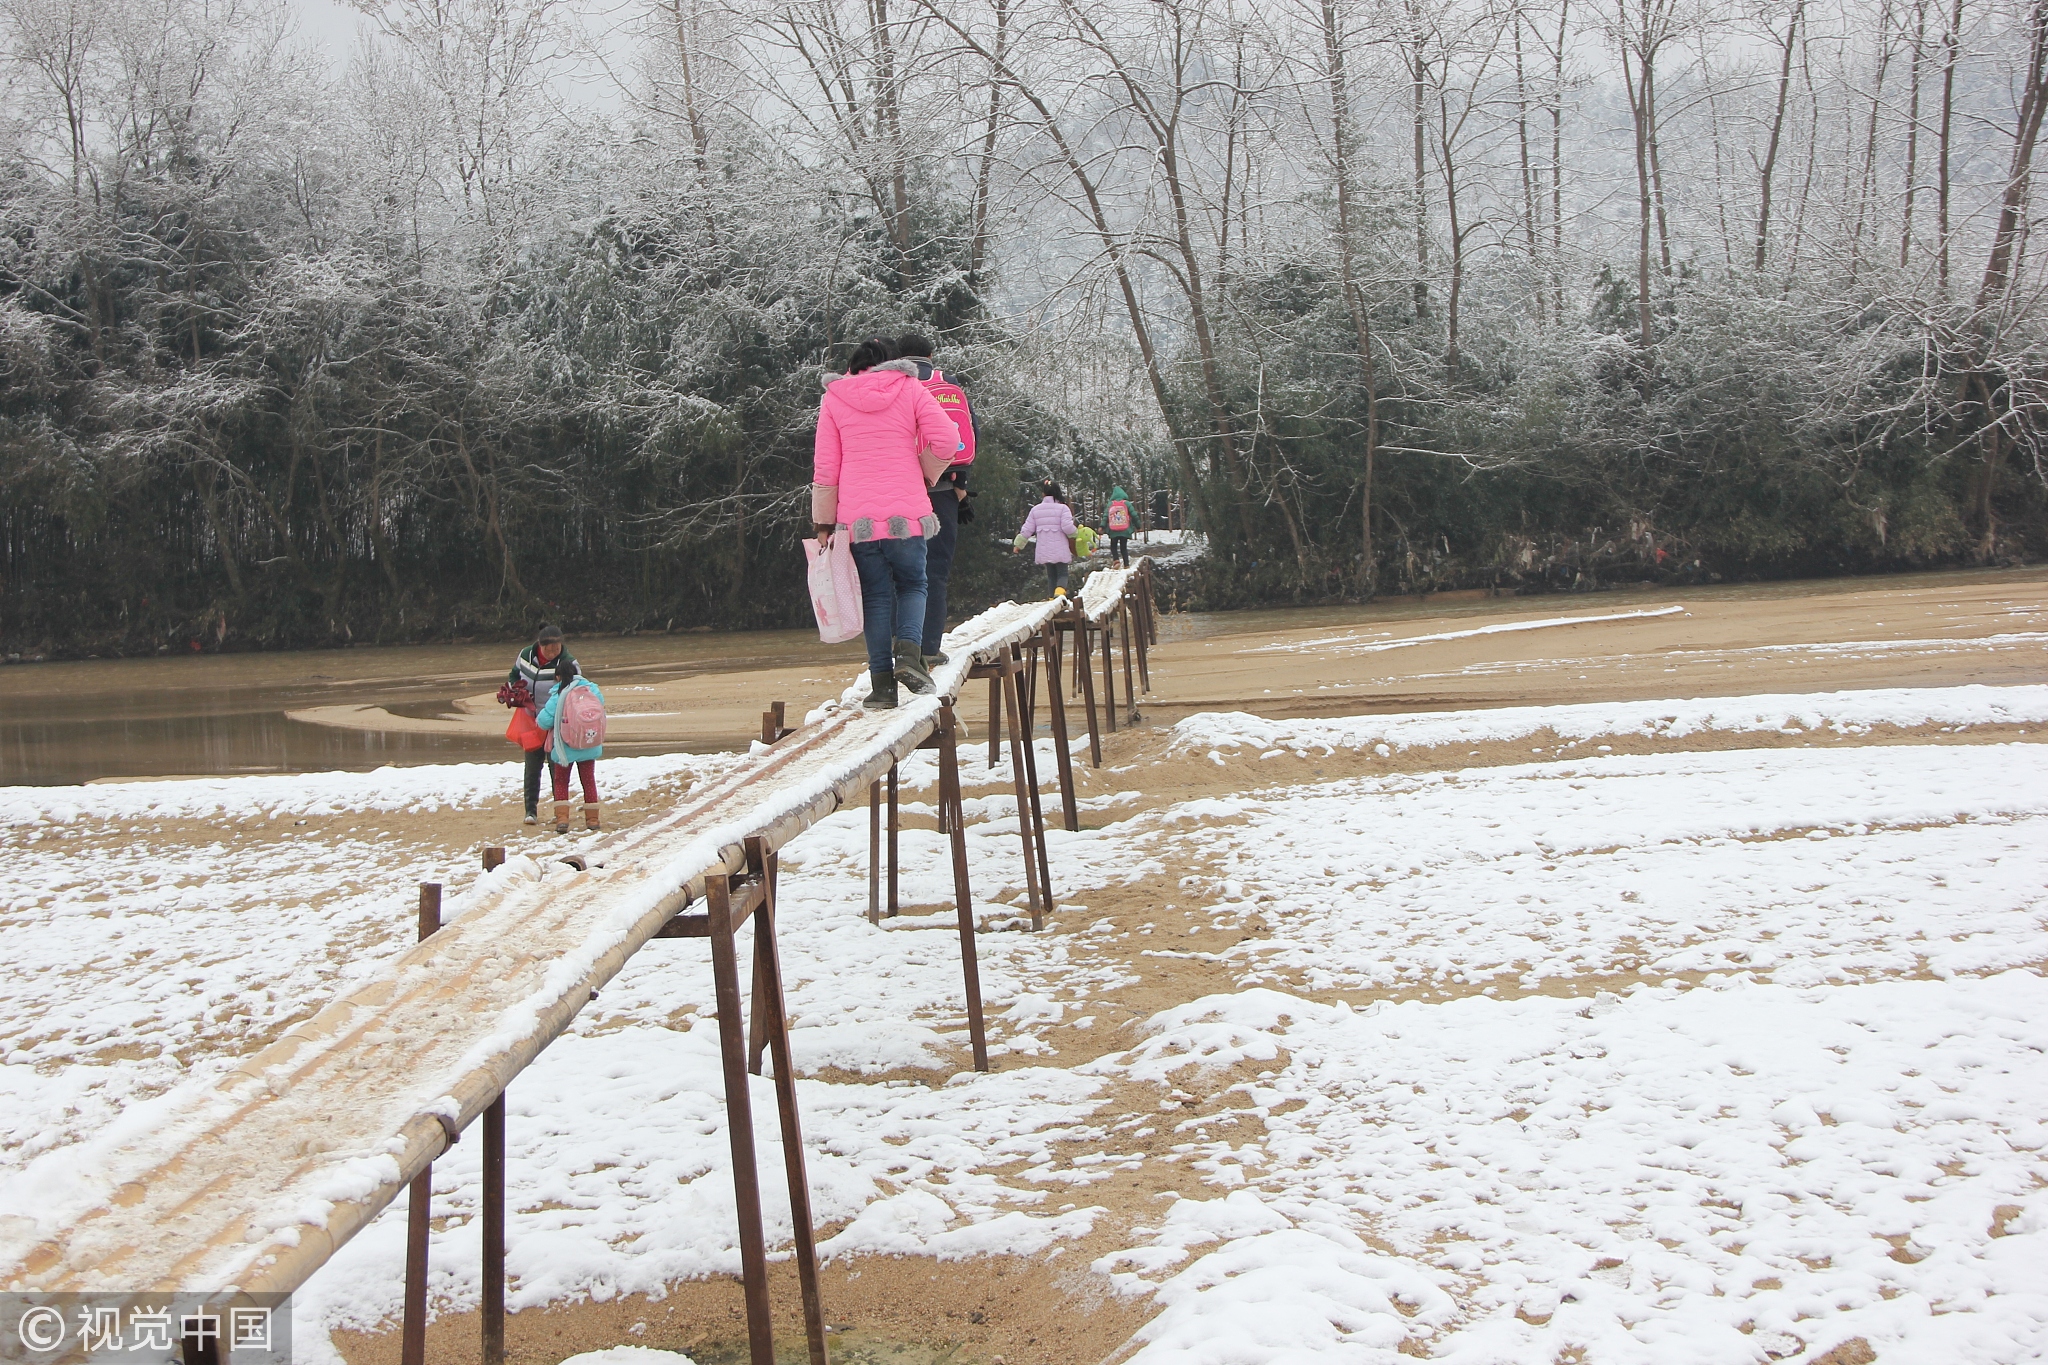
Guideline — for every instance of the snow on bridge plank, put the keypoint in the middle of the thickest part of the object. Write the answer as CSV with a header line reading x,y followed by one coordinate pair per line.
x,y
251,1183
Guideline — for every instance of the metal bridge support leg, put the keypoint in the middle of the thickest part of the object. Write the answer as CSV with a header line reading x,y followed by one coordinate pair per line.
x,y
1018,761
1141,602
1056,705
1027,684
1151,604
764,865
494,1233
1131,692
1037,813
963,898
995,719
757,1021
875,852
1109,673
895,830
739,1118
1087,676
419,1212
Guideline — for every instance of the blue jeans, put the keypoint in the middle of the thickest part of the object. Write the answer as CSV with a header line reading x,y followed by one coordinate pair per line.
x,y
938,563
891,596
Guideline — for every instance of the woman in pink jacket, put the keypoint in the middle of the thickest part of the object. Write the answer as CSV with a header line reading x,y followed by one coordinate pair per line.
x,y
1050,524
882,441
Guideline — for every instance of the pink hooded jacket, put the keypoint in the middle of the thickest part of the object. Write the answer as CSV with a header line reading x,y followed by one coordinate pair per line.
x,y
882,439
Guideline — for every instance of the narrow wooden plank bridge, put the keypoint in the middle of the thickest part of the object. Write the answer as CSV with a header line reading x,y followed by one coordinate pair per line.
x,y
252,1182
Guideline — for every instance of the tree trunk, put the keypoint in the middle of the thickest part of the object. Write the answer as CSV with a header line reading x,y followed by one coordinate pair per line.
x,y
1913,134
1457,235
1763,213
1951,41
1720,180
978,247
683,12
1557,164
1656,162
1805,184
209,501
889,121
1647,335
1998,272
1342,142
1993,436
487,496
1221,421
1531,201
1867,179
1419,71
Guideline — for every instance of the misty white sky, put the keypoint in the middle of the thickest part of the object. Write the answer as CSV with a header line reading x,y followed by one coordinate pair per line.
x,y
330,27
335,29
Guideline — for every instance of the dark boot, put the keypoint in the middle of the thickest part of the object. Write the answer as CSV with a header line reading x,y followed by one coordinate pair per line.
x,y
936,658
883,695
910,670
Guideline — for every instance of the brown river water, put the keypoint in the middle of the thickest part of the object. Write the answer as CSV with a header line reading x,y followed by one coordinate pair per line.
x,y
223,714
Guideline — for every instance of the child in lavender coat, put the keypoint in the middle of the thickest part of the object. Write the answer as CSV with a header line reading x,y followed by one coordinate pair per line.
x,y
1051,523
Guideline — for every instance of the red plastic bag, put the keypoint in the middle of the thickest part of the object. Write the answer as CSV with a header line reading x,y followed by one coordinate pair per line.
x,y
523,732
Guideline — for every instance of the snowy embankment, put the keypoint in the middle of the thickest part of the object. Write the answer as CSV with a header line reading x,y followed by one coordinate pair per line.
x,y
1352,642
1684,1057
414,790
1839,713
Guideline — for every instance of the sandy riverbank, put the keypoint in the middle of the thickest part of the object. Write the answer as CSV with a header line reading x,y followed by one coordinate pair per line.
x,y
1919,630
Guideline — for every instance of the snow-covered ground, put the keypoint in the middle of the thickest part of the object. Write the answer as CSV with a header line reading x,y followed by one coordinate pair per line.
x,y
1170,548
1723,1055
151,930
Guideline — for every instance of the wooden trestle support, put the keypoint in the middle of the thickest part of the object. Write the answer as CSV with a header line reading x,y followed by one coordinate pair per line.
x,y
731,901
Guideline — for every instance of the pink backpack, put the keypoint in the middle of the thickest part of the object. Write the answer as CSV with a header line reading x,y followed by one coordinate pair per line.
x,y
1119,516
579,724
953,399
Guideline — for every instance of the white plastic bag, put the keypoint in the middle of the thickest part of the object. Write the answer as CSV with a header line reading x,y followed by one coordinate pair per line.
x,y
835,588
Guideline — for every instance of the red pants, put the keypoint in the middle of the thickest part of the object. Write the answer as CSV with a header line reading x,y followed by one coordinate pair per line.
x,y
586,770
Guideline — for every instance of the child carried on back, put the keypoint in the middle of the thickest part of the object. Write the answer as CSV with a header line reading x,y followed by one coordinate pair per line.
x,y
575,722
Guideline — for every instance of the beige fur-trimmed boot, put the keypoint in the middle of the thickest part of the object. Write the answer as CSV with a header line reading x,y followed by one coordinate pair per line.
x,y
561,817
590,815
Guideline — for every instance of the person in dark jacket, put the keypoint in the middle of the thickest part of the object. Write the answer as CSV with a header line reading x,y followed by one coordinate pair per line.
x,y
535,669
949,494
